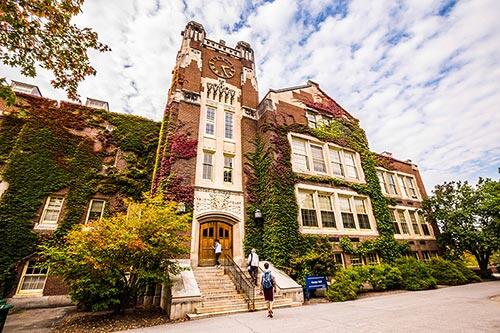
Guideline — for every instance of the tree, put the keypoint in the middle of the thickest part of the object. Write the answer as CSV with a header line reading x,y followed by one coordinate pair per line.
x,y
40,32
469,218
106,263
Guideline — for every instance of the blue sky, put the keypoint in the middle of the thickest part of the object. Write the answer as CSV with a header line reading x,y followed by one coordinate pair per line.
x,y
422,76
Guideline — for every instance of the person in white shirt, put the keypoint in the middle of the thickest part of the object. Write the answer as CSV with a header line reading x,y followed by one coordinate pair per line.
x,y
253,265
218,251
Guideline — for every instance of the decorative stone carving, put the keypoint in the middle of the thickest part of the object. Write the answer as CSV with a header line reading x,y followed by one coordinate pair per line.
x,y
211,200
219,91
191,97
250,113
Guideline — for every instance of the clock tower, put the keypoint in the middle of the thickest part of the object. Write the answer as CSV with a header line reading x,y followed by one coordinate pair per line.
x,y
208,125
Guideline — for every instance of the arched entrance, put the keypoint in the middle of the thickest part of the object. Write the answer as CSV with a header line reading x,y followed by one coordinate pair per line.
x,y
209,232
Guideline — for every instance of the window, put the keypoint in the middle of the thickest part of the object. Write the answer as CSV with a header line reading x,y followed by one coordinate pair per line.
x,y
308,211
346,212
318,160
364,222
402,186
395,222
381,180
51,211
96,209
371,259
33,279
327,214
210,122
336,163
228,169
414,223
402,221
228,125
392,184
411,187
415,255
350,164
311,119
300,155
337,258
424,225
208,165
356,261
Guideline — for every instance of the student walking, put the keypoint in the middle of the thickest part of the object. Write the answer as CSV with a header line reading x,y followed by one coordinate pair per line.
x,y
268,285
253,265
218,251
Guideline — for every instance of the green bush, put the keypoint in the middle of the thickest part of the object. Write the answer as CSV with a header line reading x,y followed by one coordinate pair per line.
x,y
416,275
346,284
469,274
384,277
446,272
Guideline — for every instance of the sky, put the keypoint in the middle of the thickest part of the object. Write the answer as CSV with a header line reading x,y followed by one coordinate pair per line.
x,y
422,76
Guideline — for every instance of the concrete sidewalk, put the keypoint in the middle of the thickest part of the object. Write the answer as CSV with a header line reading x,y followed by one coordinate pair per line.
x,y
468,308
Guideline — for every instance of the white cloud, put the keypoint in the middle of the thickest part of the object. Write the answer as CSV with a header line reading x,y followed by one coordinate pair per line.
x,y
424,86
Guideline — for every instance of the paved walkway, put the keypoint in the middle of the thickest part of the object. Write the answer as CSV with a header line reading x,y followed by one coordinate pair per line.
x,y
468,308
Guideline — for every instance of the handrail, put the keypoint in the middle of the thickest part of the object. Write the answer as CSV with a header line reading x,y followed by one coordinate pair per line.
x,y
240,280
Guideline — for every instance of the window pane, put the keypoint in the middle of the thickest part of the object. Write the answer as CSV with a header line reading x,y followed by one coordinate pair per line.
x,y
402,186
403,222
207,166
311,119
228,127
356,261
96,209
345,205
350,165
307,200
299,154
381,181
392,183
328,219
348,220
228,169
34,277
309,218
425,229
364,222
360,205
411,187
318,161
325,203
210,122
52,210
336,162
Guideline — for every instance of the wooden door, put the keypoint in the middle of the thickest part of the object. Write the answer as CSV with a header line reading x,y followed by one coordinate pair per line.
x,y
209,232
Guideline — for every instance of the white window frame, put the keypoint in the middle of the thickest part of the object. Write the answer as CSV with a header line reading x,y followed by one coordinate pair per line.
x,y
90,206
230,124
228,168
323,161
30,292
210,122
44,225
204,164
295,153
403,190
310,115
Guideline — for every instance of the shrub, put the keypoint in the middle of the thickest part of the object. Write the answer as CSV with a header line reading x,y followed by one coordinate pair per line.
x,y
416,275
446,272
469,274
346,284
384,277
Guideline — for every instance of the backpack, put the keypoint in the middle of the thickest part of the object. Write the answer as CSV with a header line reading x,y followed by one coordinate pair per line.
x,y
267,280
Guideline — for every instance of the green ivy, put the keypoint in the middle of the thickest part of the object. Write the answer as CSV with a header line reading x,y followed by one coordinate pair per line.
x,y
279,235
41,155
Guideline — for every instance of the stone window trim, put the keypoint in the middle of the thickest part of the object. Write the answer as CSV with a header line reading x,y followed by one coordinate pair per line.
x,y
334,194
32,276
327,159
229,117
92,209
208,165
371,258
411,215
404,183
210,122
53,205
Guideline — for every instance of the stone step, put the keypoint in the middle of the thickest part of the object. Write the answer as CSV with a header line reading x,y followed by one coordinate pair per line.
x,y
213,297
195,316
215,303
222,308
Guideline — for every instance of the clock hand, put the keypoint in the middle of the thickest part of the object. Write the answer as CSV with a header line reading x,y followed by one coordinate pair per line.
x,y
224,67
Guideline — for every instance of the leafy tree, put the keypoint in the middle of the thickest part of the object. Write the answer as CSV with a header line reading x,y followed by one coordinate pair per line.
x,y
40,32
108,262
469,218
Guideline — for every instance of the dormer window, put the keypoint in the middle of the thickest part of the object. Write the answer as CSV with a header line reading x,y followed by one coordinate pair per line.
x,y
97,104
25,88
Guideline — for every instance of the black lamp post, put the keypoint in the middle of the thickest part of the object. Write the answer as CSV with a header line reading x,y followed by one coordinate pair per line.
x,y
258,217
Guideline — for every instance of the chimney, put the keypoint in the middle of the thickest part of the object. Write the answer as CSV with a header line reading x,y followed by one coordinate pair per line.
x,y
386,153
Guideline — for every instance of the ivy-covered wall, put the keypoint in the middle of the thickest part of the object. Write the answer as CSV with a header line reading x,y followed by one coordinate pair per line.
x,y
46,147
272,182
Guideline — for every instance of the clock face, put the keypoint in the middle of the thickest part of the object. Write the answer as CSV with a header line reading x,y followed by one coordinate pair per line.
x,y
221,67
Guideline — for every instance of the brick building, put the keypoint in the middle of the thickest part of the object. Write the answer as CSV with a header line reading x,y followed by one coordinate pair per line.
x,y
213,104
